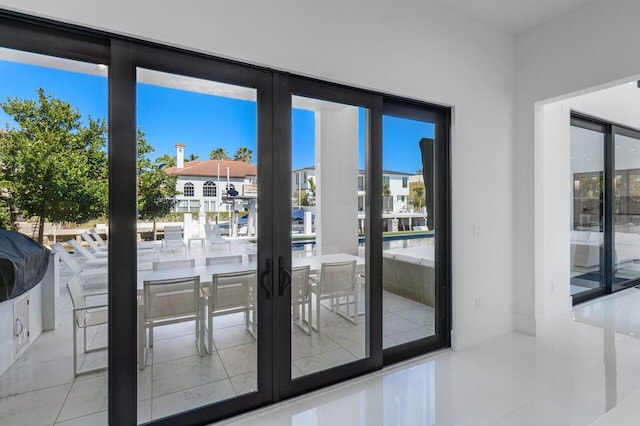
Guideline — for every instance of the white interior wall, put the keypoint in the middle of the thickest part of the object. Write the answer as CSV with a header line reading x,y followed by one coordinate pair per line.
x,y
423,50
576,53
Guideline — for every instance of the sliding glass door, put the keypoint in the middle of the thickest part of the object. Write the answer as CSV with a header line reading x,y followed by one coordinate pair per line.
x,y
587,224
605,218
247,214
626,238
414,229
327,300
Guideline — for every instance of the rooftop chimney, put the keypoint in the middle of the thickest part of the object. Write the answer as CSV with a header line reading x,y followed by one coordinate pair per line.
x,y
180,155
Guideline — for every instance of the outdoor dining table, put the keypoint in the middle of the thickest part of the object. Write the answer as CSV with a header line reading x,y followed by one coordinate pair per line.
x,y
205,272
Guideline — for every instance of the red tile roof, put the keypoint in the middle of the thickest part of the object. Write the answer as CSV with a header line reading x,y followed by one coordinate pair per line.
x,y
209,168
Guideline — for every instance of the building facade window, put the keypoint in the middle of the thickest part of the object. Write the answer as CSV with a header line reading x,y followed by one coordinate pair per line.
x,y
209,189
183,205
405,182
385,180
188,190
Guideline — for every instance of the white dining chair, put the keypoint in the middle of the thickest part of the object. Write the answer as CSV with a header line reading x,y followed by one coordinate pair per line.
x,y
231,293
85,316
337,280
173,264
301,298
221,260
172,301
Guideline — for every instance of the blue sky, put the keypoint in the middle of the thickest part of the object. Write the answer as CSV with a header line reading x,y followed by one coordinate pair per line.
x,y
202,122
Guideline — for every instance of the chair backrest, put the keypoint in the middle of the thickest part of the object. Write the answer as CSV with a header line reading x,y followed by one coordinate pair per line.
x,y
303,253
232,290
77,297
300,283
172,233
97,237
219,260
81,250
173,264
89,239
338,276
173,298
66,258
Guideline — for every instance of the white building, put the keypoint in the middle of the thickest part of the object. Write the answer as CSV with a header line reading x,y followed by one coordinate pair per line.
x,y
202,184
398,187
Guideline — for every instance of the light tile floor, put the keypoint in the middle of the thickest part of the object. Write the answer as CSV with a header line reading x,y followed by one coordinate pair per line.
x,y
585,369
39,389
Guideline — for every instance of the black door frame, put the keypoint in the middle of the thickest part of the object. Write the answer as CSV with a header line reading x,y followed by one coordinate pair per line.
x,y
286,87
607,254
123,55
441,118
202,67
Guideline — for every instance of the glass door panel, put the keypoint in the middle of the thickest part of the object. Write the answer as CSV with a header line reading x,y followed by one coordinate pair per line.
x,y
329,292
409,234
627,211
54,190
197,249
587,210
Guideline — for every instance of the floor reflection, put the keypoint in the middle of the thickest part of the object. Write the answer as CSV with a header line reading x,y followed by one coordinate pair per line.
x,y
583,368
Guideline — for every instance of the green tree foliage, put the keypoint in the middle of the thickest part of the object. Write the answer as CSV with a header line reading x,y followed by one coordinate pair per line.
x,y
166,161
7,221
418,200
386,193
311,192
301,197
193,157
156,189
55,164
243,154
219,154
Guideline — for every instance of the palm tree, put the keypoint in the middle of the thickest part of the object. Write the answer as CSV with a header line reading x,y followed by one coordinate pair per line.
x,y
243,154
219,154
166,161
193,157
386,193
419,191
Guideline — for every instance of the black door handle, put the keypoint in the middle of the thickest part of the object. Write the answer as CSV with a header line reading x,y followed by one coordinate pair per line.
x,y
265,276
285,277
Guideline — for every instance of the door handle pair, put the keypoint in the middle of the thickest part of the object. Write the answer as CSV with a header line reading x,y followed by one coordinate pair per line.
x,y
284,277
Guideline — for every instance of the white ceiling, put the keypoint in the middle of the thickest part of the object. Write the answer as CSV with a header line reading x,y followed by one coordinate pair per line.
x,y
514,16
